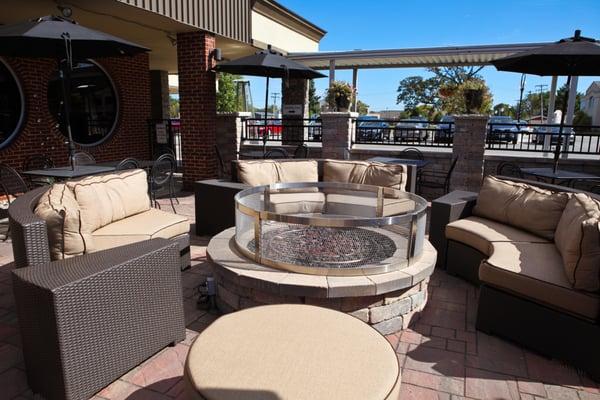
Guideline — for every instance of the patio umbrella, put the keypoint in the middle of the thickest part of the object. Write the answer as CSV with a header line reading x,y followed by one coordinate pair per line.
x,y
269,64
62,38
577,55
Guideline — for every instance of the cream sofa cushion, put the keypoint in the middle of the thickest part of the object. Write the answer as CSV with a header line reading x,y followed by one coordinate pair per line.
x,y
535,271
480,233
578,241
257,172
298,171
344,171
148,225
66,236
297,203
524,206
365,206
104,199
386,175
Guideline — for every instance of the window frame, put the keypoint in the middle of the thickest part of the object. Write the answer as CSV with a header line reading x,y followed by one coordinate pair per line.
x,y
21,122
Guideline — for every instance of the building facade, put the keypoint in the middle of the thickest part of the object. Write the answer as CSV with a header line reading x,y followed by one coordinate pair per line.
x,y
590,103
116,100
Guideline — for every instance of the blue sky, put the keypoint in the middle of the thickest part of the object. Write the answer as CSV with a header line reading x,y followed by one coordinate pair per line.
x,y
388,24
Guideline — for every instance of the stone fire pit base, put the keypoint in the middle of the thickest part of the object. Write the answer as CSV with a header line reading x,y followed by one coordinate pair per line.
x,y
389,302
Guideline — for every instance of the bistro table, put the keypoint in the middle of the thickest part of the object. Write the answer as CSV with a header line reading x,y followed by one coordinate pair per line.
x,y
143,164
390,160
560,175
252,154
68,173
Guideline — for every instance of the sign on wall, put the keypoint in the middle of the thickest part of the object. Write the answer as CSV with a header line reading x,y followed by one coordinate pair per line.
x,y
292,109
161,133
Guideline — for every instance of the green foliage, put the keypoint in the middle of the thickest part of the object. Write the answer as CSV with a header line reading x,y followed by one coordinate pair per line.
x,y
415,90
531,102
582,119
227,95
362,108
339,96
455,76
504,109
173,107
455,103
314,101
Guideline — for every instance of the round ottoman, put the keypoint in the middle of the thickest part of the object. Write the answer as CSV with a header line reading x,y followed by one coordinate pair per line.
x,y
291,352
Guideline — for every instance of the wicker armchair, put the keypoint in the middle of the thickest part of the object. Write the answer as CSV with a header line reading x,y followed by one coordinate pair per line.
x,y
87,320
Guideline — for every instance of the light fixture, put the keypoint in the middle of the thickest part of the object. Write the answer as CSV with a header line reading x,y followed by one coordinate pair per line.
x,y
217,55
65,10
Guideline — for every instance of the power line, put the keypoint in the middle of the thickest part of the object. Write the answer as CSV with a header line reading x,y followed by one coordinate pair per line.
x,y
541,87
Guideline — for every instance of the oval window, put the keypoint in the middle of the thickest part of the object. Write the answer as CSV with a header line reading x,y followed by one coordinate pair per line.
x,y
12,106
94,104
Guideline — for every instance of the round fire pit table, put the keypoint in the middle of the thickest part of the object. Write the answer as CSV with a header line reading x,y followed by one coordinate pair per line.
x,y
291,352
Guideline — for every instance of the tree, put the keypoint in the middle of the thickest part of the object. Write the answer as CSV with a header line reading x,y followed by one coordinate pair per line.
x,y
227,95
362,108
504,109
531,103
454,101
173,107
455,76
415,90
314,101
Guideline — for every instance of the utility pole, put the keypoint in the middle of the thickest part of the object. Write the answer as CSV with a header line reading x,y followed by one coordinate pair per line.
x,y
521,88
541,87
275,97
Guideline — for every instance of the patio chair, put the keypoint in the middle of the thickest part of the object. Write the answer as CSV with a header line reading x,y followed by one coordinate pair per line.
x,y
276,153
412,153
161,180
128,163
38,161
83,158
12,185
222,170
435,179
507,168
301,151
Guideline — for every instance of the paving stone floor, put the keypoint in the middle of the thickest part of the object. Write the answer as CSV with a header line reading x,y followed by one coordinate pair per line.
x,y
442,356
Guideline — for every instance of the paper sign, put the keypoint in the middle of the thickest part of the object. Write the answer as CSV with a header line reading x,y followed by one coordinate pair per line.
x,y
161,134
292,109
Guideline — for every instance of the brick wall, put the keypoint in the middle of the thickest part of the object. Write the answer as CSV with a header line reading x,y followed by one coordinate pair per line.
x,y
197,97
40,134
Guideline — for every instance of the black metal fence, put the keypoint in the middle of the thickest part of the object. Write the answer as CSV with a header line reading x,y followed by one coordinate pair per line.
x,y
277,129
405,132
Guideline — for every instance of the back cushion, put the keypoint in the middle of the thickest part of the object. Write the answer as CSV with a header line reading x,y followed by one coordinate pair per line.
x,y
61,212
257,173
298,171
386,175
520,205
577,239
344,171
104,199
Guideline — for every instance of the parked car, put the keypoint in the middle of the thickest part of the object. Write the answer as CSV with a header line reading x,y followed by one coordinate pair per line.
x,y
411,129
371,128
445,130
540,132
523,126
314,129
502,129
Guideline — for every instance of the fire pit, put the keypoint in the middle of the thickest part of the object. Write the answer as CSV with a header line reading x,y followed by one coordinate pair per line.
x,y
357,248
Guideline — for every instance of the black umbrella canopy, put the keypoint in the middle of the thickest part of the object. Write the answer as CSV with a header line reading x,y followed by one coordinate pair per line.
x,y
269,64
45,37
577,56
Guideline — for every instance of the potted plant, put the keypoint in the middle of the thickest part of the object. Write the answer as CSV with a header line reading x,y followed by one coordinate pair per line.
x,y
474,94
339,96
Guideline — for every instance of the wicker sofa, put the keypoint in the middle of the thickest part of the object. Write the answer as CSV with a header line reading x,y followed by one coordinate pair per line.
x,y
86,319
215,206
534,249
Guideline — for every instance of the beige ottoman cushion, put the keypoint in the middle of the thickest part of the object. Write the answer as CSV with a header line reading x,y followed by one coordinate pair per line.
x,y
291,352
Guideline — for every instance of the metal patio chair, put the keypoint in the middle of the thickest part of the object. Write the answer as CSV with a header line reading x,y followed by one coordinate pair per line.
x,y
83,158
507,168
36,162
276,153
436,179
161,180
128,163
301,151
12,185
412,153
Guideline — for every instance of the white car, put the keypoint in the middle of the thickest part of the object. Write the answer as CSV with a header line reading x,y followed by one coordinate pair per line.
x,y
411,130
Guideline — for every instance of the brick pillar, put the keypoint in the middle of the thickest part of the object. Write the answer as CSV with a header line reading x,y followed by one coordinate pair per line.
x,y
159,94
469,147
338,128
197,105
294,93
229,134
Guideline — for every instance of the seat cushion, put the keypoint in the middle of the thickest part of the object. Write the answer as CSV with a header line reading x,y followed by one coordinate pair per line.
x,y
578,241
257,172
366,206
480,233
66,236
518,204
297,203
535,271
150,224
104,199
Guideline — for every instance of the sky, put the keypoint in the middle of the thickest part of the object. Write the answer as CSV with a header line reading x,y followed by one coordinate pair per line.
x,y
393,24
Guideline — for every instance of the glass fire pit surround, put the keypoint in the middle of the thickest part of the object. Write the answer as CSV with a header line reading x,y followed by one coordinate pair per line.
x,y
327,228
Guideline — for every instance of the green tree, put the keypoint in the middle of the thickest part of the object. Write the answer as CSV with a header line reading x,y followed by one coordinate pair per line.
x,y
415,90
173,107
455,76
582,119
362,108
227,95
314,101
504,109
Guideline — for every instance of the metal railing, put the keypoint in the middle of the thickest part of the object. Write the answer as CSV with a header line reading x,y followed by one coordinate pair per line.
x,y
543,138
405,132
278,129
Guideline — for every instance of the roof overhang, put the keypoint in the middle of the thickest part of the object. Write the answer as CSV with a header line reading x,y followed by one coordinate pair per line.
x,y
412,58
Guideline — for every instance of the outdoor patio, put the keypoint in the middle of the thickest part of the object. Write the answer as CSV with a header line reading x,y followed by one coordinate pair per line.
x,y
442,356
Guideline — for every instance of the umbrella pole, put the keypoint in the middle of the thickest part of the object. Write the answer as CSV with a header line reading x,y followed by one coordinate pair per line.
x,y
266,131
65,84
560,130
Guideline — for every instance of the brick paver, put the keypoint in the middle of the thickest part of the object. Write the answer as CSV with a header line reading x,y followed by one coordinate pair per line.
x,y
442,356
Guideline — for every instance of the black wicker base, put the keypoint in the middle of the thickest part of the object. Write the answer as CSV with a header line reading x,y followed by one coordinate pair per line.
x,y
542,329
463,261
